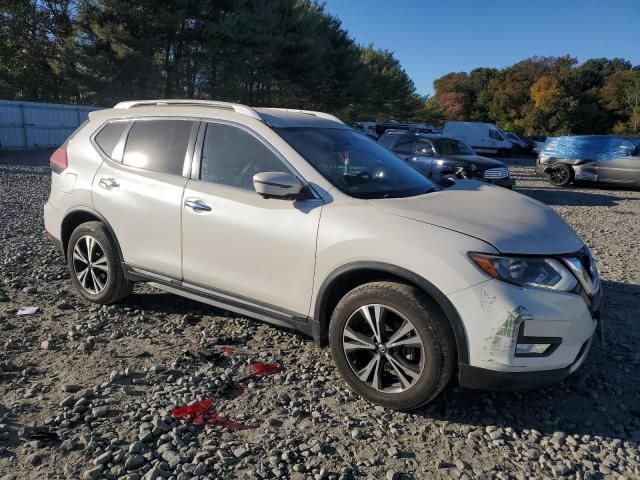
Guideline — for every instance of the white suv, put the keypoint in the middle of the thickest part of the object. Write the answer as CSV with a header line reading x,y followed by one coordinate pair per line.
x,y
291,217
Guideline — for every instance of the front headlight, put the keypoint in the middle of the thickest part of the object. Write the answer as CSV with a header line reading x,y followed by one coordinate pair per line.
x,y
526,271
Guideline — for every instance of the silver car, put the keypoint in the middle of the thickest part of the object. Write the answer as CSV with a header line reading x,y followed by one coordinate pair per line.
x,y
291,217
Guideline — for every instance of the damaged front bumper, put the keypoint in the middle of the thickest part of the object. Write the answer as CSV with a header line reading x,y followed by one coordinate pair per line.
x,y
485,379
523,337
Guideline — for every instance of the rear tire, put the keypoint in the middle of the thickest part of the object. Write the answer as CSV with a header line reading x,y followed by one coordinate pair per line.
x,y
389,368
95,265
561,175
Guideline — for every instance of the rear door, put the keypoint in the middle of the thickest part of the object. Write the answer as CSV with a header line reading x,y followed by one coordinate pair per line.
x,y
254,252
139,187
620,170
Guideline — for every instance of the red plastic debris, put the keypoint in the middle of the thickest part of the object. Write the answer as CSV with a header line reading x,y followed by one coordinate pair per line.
x,y
231,425
260,368
199,420
202,412
197,408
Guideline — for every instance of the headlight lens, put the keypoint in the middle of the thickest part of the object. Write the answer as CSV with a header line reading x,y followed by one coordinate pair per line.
x,y
526,271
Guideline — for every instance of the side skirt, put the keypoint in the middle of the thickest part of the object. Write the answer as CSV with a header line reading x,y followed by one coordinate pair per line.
x,y
243,306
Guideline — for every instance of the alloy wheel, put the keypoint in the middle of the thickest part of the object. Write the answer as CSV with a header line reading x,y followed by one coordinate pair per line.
x,y
383,348
559,176
90,264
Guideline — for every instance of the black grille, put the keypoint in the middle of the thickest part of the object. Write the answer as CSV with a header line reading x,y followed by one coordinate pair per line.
x,y
585,259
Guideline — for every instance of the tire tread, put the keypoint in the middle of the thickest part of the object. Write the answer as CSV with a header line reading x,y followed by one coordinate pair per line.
x,y
436,324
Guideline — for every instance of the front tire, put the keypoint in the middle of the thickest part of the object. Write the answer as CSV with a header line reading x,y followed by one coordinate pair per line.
x,y
561,175
95,265
392,345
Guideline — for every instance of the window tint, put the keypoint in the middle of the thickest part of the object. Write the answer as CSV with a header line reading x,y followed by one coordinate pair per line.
x,y
109,136
451,146
232,156
404,145
387,141
495,135
424,147
158,145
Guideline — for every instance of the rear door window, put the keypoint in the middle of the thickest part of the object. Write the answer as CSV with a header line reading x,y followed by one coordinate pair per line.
x,y
158,145
108,136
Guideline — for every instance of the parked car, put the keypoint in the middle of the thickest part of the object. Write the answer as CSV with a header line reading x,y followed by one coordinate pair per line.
x,y
369,128
519,145
538,142
483,137
591,158
435,153
383,127
294,218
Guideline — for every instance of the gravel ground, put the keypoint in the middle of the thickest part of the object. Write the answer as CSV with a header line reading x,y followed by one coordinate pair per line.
x,y
86,391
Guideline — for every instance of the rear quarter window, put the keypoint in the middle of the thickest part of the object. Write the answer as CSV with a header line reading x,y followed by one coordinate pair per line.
x,y
109,135
158,145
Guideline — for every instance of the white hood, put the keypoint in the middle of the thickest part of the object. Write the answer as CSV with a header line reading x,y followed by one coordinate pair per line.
x,y
511,222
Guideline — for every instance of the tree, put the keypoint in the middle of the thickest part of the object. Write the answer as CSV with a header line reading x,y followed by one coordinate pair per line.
x,y
621,93
32,37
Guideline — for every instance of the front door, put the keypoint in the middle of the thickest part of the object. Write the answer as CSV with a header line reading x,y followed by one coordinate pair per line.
x,y
424,156
239,245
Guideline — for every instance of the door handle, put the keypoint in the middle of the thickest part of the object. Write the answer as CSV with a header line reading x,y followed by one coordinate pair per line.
x,y
108,183
197,205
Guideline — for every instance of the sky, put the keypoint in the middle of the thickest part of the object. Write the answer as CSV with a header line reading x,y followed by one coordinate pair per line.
x,y
432,38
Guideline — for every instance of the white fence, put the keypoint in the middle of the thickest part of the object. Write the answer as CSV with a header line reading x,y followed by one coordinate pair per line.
x,y
38,125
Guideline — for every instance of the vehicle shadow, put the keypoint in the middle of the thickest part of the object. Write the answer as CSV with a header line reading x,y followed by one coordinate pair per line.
x,y
156,301
599,399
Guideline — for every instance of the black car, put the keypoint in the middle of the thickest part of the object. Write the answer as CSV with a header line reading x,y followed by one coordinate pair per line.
x,y
384,127
591,158
435,154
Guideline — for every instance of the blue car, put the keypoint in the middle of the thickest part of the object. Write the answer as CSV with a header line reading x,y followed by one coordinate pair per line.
x,y
436,154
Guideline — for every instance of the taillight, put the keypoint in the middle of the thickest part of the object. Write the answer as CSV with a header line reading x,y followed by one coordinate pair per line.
x,y
59,160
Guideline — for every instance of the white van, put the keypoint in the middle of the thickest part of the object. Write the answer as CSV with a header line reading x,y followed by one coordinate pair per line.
x,y
483,137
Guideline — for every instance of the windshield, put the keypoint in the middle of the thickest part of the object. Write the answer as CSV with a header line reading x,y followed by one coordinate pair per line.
x,y
451,146
355,164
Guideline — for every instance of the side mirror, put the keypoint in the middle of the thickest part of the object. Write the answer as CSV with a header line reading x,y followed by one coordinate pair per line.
x,y
277,185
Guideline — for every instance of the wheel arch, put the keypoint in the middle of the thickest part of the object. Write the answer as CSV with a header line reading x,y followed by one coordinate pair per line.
x,y
77,216
349,276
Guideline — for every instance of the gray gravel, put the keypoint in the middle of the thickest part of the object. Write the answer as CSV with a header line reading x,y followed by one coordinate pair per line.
x,y
86,391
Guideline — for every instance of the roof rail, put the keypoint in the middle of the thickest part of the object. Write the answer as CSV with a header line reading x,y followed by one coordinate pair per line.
x,y
236,107
326,116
